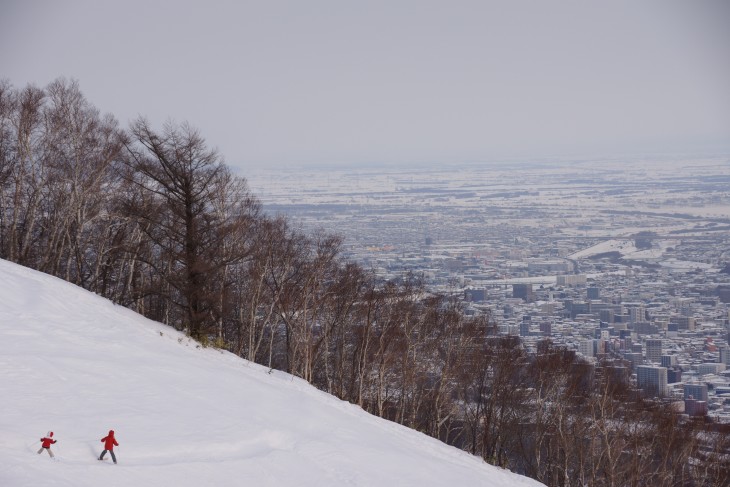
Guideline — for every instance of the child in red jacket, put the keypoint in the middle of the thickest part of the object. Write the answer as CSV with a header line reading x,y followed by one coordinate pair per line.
x,y
46,443
109,443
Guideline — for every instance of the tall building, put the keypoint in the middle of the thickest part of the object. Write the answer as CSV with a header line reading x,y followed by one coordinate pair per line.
x,y
635,358
651,379
606,315
637,313
654,350
684,322
579,308
524,328
674,375
586,347
668,361
723,292
523,291
696,391
724,355
546,328
593,293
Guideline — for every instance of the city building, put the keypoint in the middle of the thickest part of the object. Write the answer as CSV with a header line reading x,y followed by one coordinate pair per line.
x,y
684,322
652,379
546,328
696,391
606,315
711,368
548,266
571,280
693,407
593,293
523,291
668,361
636,358
637,313
524,328
476,295
654,350
674,375
724,355
587,348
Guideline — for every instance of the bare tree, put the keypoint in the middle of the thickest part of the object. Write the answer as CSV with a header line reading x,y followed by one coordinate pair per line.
x,y
183,178
26,174
81,149
8,157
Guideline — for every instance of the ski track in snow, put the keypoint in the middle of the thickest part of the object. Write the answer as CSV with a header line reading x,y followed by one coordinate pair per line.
x,y
79,365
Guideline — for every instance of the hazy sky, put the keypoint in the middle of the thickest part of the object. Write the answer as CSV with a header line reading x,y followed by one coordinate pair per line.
x,y
344,82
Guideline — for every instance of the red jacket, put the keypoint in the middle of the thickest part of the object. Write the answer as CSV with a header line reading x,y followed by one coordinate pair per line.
x,y
47,441
109,441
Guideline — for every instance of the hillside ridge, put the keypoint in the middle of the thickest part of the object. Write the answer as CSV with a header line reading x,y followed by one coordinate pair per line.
x,y
184,415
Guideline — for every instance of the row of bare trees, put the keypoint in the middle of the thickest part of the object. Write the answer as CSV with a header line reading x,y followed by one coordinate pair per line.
x,y
154,220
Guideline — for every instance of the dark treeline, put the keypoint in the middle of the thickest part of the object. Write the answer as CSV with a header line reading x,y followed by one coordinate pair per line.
x,y
155,221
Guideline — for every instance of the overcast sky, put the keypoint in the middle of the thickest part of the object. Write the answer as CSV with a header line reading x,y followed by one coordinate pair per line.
x,y
296,82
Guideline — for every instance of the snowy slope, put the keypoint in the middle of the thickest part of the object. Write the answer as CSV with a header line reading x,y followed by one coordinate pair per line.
x,y
77,364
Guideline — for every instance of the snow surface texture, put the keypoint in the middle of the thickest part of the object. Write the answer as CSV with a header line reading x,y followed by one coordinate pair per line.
x,y
76,364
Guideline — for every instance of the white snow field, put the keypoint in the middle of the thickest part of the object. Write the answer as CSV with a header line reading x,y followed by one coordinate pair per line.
x,y
78,365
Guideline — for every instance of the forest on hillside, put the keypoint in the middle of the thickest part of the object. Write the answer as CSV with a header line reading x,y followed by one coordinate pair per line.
x,y
153,219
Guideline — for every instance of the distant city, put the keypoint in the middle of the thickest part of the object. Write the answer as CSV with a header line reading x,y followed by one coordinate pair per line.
x,y
619,259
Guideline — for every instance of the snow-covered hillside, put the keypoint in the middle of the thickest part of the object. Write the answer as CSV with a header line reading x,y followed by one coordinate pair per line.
x,y
78,365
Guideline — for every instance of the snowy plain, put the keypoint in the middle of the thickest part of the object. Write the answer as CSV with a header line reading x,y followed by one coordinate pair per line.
x,y
76,364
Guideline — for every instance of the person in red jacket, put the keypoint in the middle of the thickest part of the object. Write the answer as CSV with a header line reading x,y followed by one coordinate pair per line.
x,y
109,443
46,443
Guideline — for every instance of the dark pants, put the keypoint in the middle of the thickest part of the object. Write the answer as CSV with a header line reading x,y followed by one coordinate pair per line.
x,y
104,453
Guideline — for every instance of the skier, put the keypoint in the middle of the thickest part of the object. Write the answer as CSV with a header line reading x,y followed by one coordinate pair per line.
x,y
46,443
109,443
